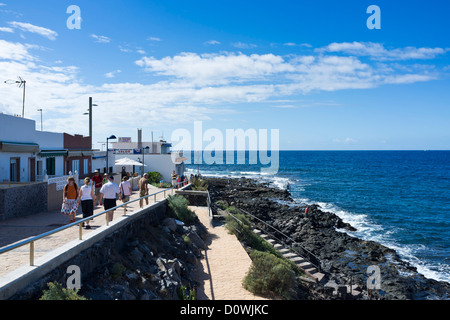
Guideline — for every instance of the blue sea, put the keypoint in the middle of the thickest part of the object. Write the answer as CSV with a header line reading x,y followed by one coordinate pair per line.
x,y
400,199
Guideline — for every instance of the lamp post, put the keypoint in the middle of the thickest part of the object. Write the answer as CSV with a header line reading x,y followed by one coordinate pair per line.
x,y
143,157
107,149
41,119
20,83
90,115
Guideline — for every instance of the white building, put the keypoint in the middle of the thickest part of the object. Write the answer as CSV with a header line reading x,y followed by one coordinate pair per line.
x,y
26,154
156,156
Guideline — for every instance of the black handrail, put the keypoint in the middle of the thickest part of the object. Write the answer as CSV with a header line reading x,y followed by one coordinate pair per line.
x,y
305,253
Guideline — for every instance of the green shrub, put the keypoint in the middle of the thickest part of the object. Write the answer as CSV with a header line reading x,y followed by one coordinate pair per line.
x,y
233,210
199,185
186,294
117,270
57,292
154,177
269,275
186,239
221,204
243,231
178,206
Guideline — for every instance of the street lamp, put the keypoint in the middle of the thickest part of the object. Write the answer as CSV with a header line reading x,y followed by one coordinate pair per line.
x,y
143,155
41,118
20,83
90,115
107,149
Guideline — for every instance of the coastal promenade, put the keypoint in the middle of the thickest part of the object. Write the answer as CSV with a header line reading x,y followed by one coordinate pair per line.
x,y
18,229
224,265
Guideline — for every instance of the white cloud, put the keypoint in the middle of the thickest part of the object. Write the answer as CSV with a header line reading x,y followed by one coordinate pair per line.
x,y
242,45
14,51
293,44
377,51
194,85
211,42
123,49
112,74
100,39
6,29
49,34
153,39
216,68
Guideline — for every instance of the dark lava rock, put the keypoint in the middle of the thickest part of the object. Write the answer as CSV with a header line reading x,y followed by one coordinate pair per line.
x,y
343,258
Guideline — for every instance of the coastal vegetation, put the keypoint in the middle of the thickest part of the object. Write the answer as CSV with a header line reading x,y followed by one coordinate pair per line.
x,y
178,208
57,292
199,185
270,273
154,178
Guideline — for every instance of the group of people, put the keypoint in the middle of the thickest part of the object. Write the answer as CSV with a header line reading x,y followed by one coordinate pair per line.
x,y
178,180
98,191
104,191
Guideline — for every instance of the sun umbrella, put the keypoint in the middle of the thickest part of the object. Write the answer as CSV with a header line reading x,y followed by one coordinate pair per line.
x,y
128,162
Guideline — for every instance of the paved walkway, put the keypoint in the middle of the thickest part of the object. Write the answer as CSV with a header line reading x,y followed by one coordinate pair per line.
x,y
224,265
18,229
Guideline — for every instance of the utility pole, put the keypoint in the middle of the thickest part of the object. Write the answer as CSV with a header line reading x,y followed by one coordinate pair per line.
x,y
20,83
90,117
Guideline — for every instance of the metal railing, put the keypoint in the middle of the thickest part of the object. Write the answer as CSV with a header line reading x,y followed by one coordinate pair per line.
x,y
80,222
295,246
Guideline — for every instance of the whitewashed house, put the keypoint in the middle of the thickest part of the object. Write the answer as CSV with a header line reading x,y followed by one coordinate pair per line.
x,y
157,156
26,154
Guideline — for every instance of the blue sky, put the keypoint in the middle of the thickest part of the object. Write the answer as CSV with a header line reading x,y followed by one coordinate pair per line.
x,y
313,70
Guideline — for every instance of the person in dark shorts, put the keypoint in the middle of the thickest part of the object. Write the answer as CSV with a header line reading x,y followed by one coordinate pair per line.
x,y
87,197
108,197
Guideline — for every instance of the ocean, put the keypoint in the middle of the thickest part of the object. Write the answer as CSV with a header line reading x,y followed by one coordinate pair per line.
x,y
400,199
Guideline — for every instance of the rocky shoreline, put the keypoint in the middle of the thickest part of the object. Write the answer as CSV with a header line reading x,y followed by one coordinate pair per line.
x,y
343,258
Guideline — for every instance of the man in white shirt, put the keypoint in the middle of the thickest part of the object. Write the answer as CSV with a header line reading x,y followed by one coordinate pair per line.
x,y
108,193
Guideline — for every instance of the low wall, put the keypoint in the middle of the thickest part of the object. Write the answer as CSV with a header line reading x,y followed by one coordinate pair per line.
x,y
23,199
28,282
54,198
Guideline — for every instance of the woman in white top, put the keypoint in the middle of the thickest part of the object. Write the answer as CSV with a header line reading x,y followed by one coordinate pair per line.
x,y
87,197
125,190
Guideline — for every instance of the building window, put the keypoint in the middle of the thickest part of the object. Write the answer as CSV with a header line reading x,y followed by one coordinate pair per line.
x,y
39,169
86,166
75,166
50,166
14,169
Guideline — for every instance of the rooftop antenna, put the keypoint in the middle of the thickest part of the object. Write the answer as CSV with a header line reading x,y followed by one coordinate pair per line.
x,y
20,83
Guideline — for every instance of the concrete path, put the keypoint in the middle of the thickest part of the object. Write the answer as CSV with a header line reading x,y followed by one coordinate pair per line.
x,y
18,229
224,265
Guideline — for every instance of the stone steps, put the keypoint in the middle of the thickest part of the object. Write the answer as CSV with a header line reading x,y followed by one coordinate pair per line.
x,y
313,275
299,261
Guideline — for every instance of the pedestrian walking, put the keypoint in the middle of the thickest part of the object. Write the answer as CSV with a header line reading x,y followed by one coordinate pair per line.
x,y
125,190
86,197
143,190
108,194
70,199
97,183
174,179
